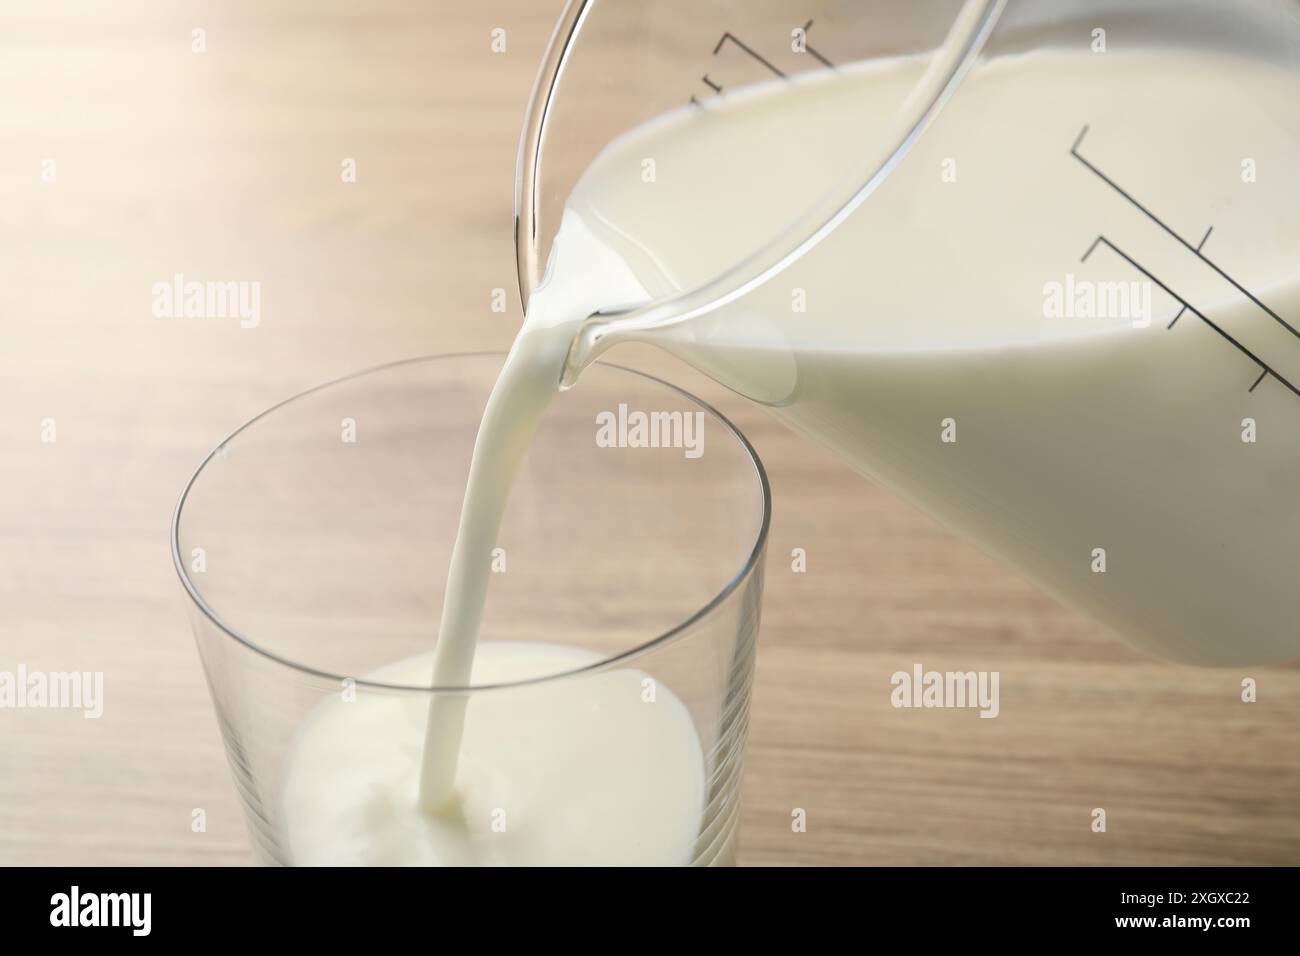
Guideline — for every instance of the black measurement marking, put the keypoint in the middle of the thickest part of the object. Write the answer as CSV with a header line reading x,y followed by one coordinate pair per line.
x,y
1177,317
1102,240
1201,245
808,47
748,49
1258,380
1196,250
1074,150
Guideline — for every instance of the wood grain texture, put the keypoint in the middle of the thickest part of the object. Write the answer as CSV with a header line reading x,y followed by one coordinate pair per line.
x,y
226,165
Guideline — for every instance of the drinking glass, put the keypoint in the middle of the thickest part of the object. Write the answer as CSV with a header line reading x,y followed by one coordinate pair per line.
x,y
314,543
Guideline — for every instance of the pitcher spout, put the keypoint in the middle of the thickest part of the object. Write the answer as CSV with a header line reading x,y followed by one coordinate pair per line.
x,y
591,339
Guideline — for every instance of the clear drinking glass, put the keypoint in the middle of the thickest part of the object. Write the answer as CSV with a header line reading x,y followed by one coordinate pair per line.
x,y
314,543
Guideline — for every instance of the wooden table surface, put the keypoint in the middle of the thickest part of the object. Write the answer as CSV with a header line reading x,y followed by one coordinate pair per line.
x,y
227,164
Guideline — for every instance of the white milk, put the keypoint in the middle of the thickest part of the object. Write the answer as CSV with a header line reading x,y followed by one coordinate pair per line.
x,y
585,773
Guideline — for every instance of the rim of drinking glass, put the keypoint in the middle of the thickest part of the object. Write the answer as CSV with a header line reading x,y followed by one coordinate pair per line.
x,y
622,657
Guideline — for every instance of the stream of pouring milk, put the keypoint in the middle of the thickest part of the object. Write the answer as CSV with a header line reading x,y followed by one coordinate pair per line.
x,y
1072,433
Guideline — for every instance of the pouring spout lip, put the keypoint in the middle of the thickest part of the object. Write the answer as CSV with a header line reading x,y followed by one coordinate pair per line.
x,y
568,376
592,337
577,358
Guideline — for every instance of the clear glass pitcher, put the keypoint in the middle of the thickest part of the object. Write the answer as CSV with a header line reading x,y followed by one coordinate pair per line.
x,y
1034,265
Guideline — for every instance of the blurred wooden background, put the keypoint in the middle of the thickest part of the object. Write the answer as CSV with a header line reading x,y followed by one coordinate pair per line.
x,y
227,164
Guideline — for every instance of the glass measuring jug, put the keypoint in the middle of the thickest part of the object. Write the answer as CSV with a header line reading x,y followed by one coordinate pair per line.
x,y
1031,264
